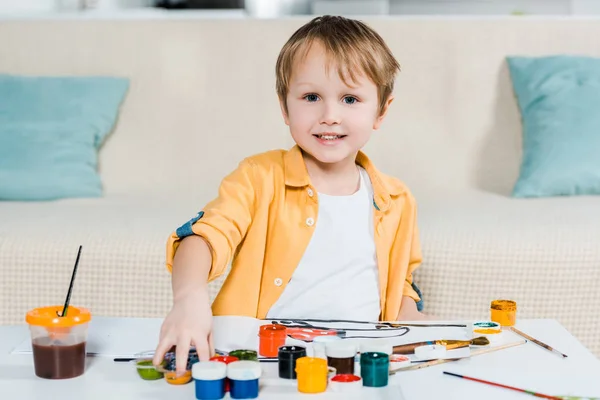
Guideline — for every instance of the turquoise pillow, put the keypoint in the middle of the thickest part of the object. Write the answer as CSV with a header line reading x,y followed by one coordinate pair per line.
x,y
50,131
559,99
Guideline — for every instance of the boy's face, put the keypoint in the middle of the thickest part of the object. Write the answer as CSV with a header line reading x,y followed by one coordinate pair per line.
x,y
328,119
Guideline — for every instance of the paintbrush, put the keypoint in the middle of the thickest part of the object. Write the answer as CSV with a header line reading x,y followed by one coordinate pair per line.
x,y
541,344
449,344
387,324
443,361
544,396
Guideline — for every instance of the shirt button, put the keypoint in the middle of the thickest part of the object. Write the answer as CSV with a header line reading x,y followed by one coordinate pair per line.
x,y
310,192
310,221
278,282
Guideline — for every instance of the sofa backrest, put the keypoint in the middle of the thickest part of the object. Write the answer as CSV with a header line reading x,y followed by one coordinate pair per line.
x,y
203,96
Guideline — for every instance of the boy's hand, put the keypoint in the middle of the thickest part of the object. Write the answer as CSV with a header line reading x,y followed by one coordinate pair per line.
x,y
409,312
188,323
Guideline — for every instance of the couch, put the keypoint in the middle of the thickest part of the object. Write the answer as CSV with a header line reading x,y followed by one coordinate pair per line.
x,y
202,97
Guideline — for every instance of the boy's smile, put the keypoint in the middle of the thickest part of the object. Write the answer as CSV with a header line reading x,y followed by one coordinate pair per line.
x,y
330,118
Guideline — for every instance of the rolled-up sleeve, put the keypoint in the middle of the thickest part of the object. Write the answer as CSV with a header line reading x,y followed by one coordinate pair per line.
x,y
224,221
410,288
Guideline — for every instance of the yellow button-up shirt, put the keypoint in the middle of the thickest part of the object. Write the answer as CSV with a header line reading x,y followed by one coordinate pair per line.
x,y
263,219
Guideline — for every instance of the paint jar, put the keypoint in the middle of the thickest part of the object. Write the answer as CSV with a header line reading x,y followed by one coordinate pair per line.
x,y
58,343
172,378
244,355
504,312
209,378
272,337
226,360
146,370
312,374
345,383
374,369
319,344
243,377
489,329
288,355
340,355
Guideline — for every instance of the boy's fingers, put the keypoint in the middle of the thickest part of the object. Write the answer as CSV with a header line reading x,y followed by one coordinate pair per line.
x,y
181,354
164,345
202,347
211,346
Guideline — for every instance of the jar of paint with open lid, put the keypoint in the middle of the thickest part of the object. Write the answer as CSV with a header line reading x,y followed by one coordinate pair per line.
x,y
271,338
244,355
209,379
340,355
504,312
243,378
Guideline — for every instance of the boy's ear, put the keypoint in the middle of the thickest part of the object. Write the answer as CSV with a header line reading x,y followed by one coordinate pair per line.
x,y
284,113
381,116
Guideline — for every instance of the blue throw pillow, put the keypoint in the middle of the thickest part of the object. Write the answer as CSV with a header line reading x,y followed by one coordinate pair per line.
x,y
50,131
559,99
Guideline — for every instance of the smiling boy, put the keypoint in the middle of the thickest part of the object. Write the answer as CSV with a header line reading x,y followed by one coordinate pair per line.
x,y
315,231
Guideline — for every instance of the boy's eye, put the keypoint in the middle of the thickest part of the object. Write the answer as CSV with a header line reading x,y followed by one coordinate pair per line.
x,y
311,98
350,99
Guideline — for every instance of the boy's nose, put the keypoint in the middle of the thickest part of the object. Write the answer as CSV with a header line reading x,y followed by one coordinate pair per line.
x,y
330,115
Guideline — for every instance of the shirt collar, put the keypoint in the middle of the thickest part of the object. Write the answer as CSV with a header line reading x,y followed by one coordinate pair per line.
x,y
384,187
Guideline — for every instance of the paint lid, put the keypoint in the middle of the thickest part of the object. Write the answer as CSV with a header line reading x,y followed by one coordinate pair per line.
x,y
399,361
224,359
48,316
371,359
345,383
377,346
487,327
340,350
326,339
291,352
244,370
272,330
430,352
209,370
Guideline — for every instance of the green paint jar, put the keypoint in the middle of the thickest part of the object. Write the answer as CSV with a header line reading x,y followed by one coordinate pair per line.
x,y
249,355
374,369
146,370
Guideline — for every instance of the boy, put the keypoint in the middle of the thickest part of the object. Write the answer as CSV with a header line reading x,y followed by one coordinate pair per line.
x,y
316,231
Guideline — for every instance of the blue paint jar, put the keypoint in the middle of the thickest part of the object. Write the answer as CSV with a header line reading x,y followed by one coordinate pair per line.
x,y
243,379
374,369
209,379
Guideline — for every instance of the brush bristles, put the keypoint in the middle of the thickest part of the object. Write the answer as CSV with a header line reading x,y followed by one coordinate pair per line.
x,y
480,341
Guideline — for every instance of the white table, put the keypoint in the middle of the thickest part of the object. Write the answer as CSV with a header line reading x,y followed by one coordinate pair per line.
x,y
527,366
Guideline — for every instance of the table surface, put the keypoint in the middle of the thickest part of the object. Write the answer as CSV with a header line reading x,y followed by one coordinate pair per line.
x,y
527,366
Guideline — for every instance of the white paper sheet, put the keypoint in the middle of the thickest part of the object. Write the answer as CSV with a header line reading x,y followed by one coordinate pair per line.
x,y
124,337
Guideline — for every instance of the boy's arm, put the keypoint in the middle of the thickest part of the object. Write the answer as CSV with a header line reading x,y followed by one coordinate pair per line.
x,y
221,226
408,308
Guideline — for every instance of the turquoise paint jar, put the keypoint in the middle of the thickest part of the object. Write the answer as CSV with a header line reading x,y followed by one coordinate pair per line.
x,y
374,369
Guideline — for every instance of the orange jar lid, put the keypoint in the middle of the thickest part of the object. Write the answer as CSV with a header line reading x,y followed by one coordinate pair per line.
x,y
504,305
48,317
272,330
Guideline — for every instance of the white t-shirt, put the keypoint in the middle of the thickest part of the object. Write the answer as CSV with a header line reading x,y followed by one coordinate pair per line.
x,y
337,277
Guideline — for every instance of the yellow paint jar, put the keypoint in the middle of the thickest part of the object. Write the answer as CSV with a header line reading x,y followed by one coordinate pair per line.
x,y
504,312
312,374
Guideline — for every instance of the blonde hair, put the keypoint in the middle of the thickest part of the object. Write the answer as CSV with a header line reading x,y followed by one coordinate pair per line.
x,y
352,45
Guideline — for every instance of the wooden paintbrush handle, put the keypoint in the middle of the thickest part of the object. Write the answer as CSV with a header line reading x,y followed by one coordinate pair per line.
x,y
410,347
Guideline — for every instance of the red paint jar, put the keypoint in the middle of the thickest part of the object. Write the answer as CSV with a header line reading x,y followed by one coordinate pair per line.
x,y
226,360
272,337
